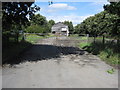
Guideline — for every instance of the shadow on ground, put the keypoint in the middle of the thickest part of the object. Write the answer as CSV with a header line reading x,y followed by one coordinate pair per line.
x,y
45,52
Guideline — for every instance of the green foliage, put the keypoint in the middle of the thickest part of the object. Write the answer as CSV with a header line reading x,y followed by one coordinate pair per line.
x,y
100,24
111,71
16,12
38,20
84,44
39,24
51,22
70,26
14,19
36,29
113,7
108,52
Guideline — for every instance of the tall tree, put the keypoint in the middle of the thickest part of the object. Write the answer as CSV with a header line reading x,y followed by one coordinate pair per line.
x,y
38,20
114,8
15,15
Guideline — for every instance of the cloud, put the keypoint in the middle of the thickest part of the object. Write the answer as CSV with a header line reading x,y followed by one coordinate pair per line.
x,y
61,6
74,18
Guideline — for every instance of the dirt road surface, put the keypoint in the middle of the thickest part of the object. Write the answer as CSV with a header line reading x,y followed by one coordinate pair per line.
x,y
57,63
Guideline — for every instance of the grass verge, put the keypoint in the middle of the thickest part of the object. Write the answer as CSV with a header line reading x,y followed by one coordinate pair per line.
x,y
109,52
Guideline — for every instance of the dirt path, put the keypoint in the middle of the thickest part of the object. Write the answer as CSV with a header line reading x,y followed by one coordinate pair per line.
x,y
57,63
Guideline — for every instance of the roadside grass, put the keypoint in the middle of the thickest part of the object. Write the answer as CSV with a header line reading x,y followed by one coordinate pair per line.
x,y
84,44
108,52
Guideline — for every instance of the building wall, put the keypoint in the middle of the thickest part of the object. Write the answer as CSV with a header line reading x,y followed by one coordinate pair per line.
x,y
60,29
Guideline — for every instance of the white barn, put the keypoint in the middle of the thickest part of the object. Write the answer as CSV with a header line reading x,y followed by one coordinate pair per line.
x,y
60,29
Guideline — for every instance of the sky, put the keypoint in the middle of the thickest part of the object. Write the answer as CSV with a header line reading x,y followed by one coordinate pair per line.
x,y
70,11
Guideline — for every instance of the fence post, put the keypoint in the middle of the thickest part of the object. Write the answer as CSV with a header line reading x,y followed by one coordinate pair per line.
x,y
87,38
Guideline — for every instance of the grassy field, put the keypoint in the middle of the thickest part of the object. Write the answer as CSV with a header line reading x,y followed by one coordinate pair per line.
x,y
33,38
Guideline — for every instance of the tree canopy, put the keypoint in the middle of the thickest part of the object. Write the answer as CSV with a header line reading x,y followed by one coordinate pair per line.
x,y
16,13
70,26
106,22
15,16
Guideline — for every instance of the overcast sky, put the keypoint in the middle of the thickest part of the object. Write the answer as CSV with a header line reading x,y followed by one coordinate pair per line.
x,y
72,11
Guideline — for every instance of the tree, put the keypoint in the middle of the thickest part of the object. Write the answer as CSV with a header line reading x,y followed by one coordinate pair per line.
x,y
114,8
99,24
15,16
40,23
70,26
38,20
51,22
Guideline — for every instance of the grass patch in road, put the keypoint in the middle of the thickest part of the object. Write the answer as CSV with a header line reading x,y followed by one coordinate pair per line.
x,y
111,71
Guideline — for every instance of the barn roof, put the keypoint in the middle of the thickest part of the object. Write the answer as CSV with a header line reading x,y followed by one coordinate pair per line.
x,y
60,24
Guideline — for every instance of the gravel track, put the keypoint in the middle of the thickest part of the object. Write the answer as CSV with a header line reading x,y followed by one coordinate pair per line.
x,y
58,63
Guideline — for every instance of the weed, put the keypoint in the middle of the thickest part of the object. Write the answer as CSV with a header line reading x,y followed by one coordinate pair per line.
x,y
111,71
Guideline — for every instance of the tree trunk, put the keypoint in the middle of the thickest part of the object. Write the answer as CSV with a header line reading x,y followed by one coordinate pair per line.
x,y
118,41
23,37
17,37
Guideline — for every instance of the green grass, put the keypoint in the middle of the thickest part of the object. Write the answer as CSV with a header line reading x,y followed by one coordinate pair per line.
x,y
50,35
110,58
84,38
33,38
109,52
111,71
73,35
84,44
